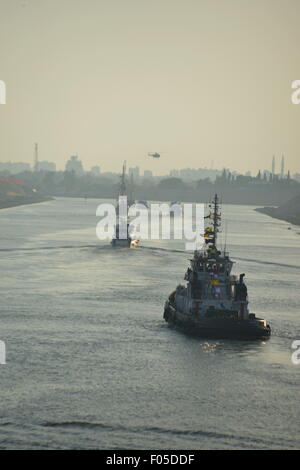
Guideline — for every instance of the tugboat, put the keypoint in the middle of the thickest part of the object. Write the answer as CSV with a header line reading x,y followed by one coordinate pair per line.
x,y
122,236
214,303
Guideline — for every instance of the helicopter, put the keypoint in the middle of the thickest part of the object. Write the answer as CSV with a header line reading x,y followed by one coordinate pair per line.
x,y
154,155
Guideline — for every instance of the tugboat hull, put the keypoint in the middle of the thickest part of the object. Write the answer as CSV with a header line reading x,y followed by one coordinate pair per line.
x,y
217,328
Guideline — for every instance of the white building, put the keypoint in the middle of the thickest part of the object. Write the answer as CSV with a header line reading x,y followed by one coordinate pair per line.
x,y
73,164
134,173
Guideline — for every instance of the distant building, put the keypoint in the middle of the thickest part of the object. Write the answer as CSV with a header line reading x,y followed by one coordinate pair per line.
x,y
12,180
134,173
46,166
282,167
15,168
95,170
296,176
174,173
194,174
148,174
73,164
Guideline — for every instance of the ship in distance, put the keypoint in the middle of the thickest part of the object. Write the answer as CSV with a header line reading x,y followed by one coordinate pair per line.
x,y
123,236
214,303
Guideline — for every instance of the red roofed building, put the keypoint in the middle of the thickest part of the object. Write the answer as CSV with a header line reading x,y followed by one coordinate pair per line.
x,y
12,180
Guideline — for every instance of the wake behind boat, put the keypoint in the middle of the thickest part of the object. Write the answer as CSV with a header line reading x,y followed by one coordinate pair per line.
x,y
214,303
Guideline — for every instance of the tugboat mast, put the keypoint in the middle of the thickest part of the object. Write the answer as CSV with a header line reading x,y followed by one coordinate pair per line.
x,y
216,219
211,232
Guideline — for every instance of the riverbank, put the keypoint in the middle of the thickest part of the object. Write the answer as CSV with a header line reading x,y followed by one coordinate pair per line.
x,y
289,211
21,201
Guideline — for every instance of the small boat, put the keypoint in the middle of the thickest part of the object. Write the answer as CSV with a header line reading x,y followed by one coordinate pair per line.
x,y
143,204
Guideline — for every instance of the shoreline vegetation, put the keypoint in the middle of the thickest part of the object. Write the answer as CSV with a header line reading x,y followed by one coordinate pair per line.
x,y
289,211
261,190
17,192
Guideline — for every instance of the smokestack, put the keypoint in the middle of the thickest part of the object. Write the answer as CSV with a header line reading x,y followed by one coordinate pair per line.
x,y
282,167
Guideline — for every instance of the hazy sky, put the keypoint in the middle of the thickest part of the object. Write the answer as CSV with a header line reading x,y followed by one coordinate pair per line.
x,y
201,81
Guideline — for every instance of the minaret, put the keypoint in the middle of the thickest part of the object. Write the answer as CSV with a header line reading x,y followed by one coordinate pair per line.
x,y
273,165
282,167
36,157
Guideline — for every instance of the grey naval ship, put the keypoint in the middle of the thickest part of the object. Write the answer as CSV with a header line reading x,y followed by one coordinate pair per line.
x,y
121,239
213,303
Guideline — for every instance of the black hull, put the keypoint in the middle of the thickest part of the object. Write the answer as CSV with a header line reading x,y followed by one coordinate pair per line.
x,y
121,243
217,329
